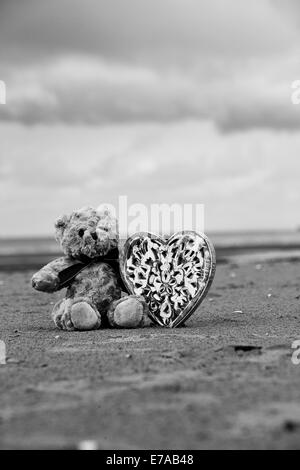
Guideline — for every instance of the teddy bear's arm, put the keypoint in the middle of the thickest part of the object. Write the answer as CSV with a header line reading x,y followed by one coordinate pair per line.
x,y
55,275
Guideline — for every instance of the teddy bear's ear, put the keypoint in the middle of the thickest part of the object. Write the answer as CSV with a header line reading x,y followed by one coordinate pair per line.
x,y
106,210
109,224
60,225
108,218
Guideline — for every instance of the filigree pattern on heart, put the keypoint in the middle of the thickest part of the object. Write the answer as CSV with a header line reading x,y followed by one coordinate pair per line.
x,y
173,276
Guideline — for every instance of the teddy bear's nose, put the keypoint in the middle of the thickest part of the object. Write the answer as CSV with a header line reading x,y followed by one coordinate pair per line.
x,y
94,236
81,232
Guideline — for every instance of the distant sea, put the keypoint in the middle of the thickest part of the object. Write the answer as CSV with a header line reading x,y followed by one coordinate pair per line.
x,y
30,253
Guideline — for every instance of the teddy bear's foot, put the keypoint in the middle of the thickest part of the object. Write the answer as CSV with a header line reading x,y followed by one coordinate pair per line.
x,y
73,315
129,312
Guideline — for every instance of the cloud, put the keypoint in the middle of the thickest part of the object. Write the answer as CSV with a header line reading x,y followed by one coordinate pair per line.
x,y
99,63
87,90
169,32
77,90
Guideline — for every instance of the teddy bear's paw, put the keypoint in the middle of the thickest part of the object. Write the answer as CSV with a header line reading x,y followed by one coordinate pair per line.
x,y
84,316
129,312
62,315
69,315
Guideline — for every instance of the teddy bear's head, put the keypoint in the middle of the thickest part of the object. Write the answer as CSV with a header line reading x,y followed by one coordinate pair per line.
x,y
87,232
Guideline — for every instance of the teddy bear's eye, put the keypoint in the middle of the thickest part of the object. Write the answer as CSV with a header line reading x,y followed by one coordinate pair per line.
x,y
81,232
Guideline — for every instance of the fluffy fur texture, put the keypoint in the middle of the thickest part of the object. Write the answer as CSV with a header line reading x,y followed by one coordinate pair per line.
x,y
87,232
94,297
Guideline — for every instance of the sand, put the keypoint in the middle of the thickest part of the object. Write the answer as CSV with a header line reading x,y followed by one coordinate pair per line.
x,y
224,381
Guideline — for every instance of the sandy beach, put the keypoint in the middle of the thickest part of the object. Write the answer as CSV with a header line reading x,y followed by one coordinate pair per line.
x,y
225,380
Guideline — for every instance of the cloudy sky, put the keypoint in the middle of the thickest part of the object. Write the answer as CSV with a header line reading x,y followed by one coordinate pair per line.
x,y
183,101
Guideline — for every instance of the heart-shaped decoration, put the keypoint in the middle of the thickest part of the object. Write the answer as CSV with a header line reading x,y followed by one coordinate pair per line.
x,y
172,275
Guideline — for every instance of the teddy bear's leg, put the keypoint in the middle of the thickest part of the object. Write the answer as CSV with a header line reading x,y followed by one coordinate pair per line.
x,y
130,311
78,314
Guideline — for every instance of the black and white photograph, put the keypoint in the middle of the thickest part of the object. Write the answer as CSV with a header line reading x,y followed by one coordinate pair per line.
x,y
150,227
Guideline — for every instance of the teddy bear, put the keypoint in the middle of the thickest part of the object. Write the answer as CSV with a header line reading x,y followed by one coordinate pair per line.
x,y
89,270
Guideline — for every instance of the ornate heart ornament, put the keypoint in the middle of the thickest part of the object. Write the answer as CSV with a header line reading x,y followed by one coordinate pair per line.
x,y
172,275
